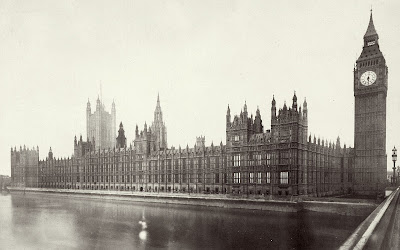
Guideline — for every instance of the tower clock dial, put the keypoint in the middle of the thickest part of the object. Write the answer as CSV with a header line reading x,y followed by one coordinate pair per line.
x,y
368,78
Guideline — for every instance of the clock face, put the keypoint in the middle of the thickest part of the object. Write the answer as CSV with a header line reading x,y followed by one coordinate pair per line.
x,y
368,78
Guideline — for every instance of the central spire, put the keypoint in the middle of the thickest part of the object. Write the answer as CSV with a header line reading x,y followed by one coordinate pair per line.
x,y
371,31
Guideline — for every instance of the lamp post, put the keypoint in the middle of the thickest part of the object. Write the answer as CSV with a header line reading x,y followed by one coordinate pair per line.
x,y
394,158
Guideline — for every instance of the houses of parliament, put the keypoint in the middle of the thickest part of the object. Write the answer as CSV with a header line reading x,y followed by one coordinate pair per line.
x,y
283,160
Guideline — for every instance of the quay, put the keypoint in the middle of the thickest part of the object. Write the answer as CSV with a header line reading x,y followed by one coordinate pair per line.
x,y
346,207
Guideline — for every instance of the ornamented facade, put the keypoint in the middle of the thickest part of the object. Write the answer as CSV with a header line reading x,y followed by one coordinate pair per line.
x,y
101,125
283,160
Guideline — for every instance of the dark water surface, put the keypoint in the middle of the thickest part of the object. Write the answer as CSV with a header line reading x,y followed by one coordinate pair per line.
x,y
48,221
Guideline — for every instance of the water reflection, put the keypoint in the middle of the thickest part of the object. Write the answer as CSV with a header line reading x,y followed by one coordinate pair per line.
x,y
51,221
143,233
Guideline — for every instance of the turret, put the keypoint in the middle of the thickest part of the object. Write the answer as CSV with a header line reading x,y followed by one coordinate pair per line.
x,y
338,142
305,110
113,122
98,103
121,139
228,117
137,131
50,154
273,108
88,113
258,127
294,104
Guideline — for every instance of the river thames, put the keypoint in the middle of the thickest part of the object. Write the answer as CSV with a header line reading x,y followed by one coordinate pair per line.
x,y
43,221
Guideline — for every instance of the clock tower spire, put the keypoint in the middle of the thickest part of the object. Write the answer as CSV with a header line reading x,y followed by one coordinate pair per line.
x,y
370,90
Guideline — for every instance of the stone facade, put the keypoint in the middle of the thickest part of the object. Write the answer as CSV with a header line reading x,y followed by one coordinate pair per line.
x,y
370,90
283,160
279,161
101,125
25,167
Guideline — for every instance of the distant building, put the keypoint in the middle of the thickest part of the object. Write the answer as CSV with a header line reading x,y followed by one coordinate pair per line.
x,y
5,181
101,125
25,167
283,160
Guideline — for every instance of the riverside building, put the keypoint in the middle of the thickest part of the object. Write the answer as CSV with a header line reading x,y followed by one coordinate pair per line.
x,y
282,160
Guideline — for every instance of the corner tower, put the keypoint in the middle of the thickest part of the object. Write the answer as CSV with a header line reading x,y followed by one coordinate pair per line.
x,y
370,90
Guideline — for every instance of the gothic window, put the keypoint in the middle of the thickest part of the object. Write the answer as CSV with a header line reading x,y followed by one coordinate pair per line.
x,y
251,177
268,177
268,159
257,159
284,178
259,178
236,178
236,160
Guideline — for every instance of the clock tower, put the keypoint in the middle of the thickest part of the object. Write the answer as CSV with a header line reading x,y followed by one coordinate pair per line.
x,y
370,89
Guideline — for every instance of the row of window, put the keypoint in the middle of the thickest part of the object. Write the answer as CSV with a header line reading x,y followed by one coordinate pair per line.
x,y
253,178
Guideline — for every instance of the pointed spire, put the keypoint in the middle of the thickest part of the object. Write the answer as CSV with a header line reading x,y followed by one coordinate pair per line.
x,y
158,100
371,31
294,104
273,101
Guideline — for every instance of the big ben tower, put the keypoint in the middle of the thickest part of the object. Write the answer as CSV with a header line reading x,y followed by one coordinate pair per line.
x,y
370,89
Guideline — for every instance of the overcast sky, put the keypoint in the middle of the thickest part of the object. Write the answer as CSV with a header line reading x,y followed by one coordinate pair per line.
x,y
199,55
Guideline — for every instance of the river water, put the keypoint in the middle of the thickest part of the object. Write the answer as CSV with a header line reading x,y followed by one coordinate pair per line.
x,y
48,221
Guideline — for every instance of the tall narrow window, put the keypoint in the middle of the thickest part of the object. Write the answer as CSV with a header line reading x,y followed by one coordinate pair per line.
x,y
236,160
268,177
236,177
251,177
259,178
268,159
257,159
284,178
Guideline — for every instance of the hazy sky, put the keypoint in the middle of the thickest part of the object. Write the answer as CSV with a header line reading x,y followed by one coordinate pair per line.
x,y
199,55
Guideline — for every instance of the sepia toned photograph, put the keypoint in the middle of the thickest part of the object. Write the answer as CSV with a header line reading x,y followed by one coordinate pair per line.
x,y
230,124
